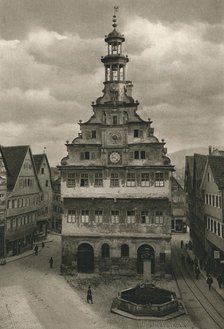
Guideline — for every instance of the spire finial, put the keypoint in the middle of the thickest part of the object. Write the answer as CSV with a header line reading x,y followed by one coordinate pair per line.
x,y
114,17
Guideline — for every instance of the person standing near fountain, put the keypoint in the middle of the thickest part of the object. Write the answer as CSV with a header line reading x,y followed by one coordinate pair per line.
x,y
89,296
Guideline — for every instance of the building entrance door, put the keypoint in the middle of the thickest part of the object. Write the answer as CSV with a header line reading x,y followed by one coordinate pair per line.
x,y
142,251
85,259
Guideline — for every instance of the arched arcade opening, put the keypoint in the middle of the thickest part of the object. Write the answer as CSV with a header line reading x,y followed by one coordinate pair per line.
x,y
141,252
85,258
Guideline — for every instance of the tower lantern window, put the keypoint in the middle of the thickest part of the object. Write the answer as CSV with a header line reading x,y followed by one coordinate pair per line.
x,y
114,48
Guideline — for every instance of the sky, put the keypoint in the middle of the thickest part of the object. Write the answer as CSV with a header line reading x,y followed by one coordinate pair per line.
x,y
50,68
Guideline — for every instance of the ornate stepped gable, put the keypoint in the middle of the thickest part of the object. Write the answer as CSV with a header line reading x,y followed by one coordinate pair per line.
x,y
115,134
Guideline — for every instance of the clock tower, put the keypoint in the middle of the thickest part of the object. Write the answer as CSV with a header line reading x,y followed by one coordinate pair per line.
x,y
116,182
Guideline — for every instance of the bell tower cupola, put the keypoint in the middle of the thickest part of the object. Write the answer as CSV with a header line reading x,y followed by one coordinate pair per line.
x,y
116,86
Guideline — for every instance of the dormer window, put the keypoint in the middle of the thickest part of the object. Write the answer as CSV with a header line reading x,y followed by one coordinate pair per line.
x,y
84,156
42,171
136,133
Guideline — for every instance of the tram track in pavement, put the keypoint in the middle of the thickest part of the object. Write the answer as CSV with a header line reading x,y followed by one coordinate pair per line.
x,y
205,302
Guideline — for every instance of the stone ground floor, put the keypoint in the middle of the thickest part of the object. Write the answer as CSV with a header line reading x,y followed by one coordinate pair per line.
x,y
111,254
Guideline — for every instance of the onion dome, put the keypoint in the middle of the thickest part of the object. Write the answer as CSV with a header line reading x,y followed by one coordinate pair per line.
x,y
114,36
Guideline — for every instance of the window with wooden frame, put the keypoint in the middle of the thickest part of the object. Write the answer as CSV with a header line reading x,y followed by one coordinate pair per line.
x,y
130,216
159,179
98,216
144,217
71,180
131,179
145,179
159,217
84,180
71,216
84,216
98,179
114,180
115,216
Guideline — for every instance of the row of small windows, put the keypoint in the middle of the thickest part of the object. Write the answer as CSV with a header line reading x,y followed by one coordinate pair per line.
x,y
23,202
26,182
20,221
137,155
213,200
137,133
131,181
215,227
84,216
29,182
105,250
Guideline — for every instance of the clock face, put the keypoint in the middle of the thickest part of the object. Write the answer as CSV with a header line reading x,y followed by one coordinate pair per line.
x,y
115,157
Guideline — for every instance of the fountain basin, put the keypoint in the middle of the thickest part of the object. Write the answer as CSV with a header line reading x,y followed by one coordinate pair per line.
x,y
146,300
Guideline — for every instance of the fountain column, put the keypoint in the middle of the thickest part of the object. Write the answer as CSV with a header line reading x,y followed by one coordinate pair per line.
x,y
147,275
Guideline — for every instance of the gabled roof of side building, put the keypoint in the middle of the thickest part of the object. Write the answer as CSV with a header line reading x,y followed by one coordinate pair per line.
x,y
199,166
216,164
174,181
14,157
38,160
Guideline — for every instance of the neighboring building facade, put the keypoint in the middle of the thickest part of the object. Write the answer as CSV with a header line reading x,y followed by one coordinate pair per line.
x,y
115,183
44,216
213,189
194,169
23,195
3,195
178,207
57,204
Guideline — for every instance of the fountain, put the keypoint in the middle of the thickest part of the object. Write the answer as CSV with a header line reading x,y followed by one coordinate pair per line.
x,y
145,300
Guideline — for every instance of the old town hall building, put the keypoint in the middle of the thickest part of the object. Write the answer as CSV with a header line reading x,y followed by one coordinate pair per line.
x,y
115,183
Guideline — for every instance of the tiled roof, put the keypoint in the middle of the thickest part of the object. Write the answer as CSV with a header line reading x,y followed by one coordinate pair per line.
x,y
13,157
175,182
200,162
190,164
38,159
216,164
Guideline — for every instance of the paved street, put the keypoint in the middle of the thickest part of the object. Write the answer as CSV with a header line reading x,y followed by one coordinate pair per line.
x,y
205,307
33,296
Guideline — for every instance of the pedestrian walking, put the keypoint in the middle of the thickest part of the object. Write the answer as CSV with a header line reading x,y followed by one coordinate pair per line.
x,y
89,295
209,281
219,280
197,272
43,245
36,250
51,262
181,244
